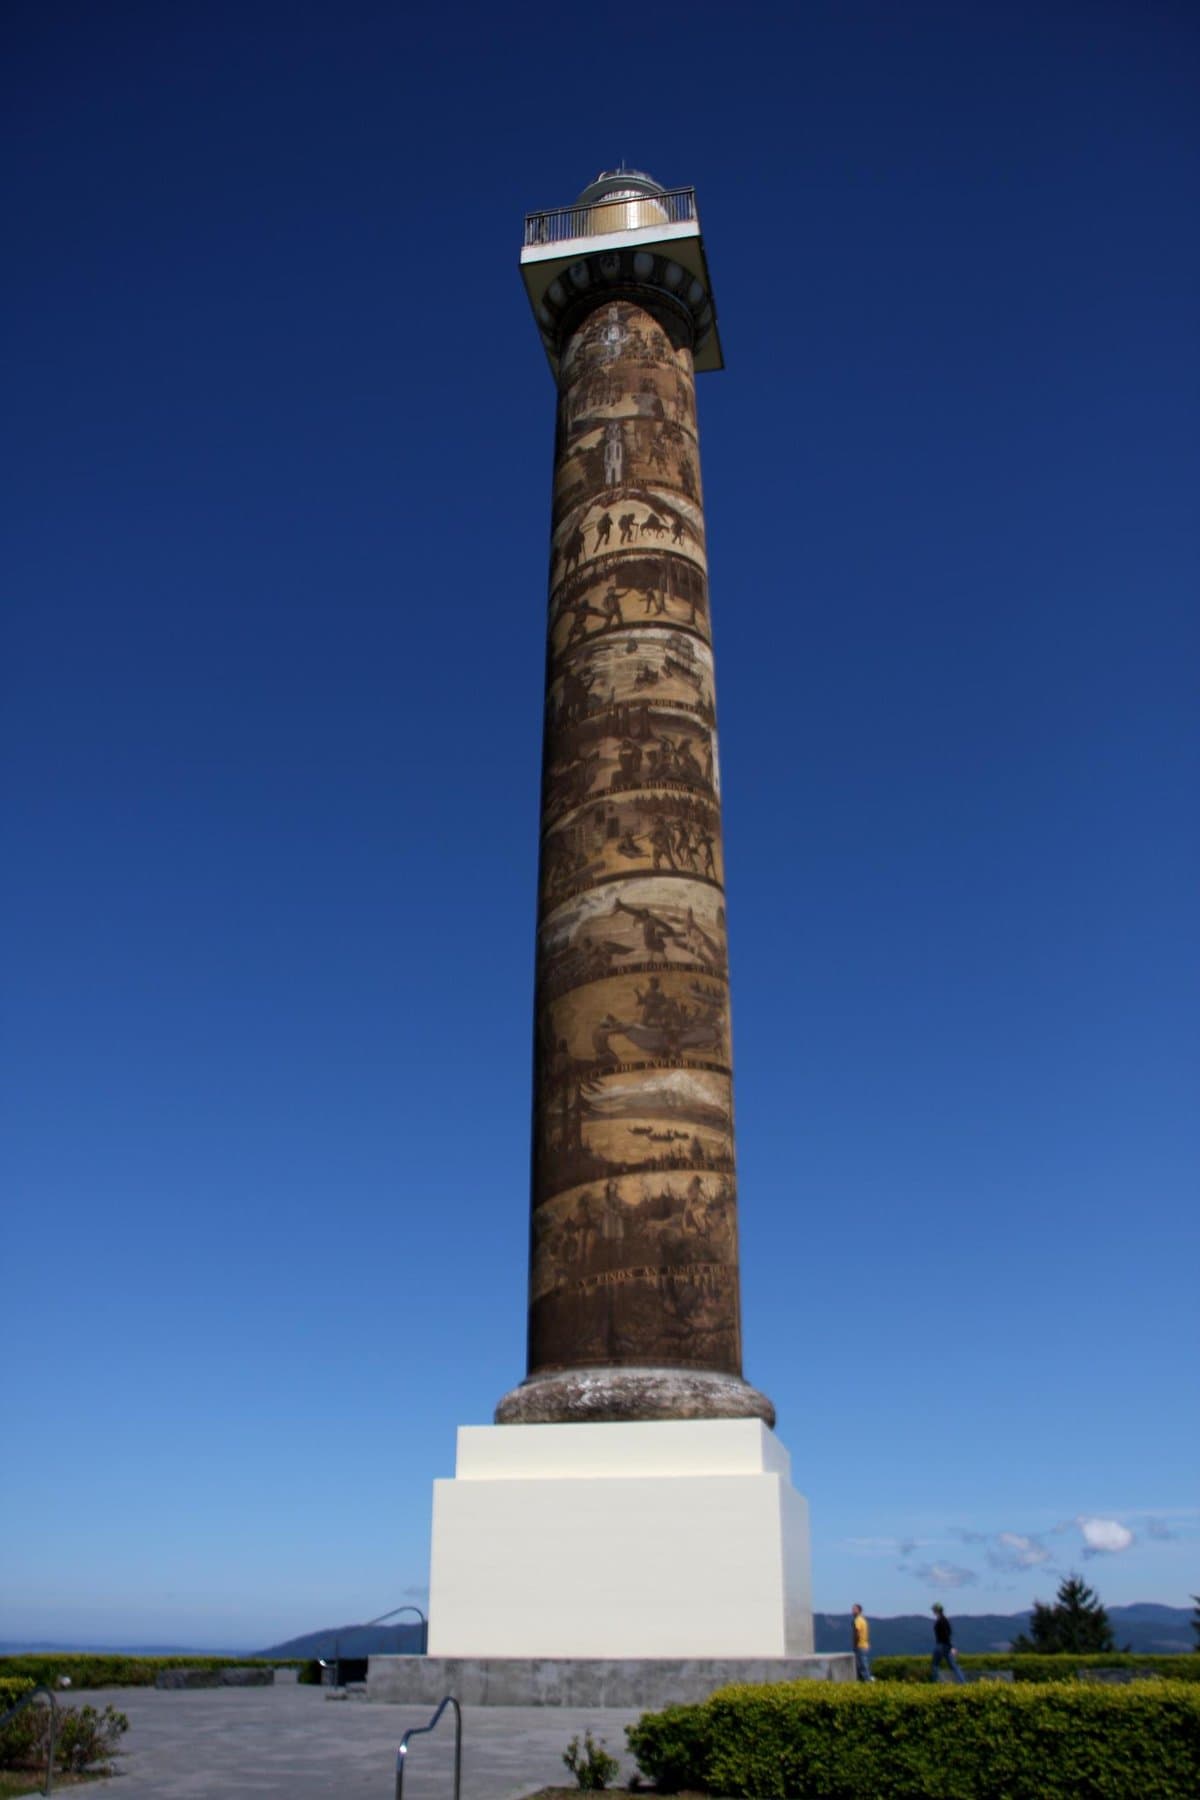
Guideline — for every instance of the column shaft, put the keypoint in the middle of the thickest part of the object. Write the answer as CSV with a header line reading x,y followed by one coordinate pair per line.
x,y
634,1241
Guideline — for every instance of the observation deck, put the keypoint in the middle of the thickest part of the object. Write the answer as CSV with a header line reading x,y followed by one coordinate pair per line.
x,y
570,251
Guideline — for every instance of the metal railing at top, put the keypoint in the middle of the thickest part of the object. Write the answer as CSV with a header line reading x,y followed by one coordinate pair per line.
x,y
419,1731
22,1703
677,206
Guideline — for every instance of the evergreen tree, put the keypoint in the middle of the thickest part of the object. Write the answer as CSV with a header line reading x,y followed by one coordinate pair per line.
x,y
1076,1625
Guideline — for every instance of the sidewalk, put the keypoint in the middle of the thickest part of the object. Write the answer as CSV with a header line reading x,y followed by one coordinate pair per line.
x,y
291,1743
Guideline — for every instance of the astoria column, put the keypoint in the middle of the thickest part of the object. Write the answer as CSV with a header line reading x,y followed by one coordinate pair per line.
x,y
634,1310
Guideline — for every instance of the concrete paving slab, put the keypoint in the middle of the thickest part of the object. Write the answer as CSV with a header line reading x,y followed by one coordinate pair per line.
x,y
292,1743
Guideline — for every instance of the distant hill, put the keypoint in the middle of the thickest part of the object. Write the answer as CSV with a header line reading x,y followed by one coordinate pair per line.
x,y
1145,1626
1148,1629
350,1640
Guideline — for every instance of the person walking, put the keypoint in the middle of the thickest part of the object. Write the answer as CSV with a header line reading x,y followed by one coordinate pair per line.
x,y
861,1632
943,1645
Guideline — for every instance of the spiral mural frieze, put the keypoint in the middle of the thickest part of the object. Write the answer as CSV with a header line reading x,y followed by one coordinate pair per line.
x,y
634,1243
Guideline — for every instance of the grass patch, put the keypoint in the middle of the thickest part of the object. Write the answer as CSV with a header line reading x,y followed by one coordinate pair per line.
x,y
32,1781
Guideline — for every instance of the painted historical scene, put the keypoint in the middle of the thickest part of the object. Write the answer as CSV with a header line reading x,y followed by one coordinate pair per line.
x,y
634,744
649,519
650,663
592,1125
622,360
634,834
634,1249
617,457
675,1016
635,1181
641,1268
632,927
619,592
652,1314
670,1220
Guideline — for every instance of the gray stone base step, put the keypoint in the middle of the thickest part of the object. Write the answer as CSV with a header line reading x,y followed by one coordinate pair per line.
x,y
564,1681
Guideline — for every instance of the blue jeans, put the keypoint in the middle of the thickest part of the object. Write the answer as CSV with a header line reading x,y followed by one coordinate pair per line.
x,y
944,1653
862,1665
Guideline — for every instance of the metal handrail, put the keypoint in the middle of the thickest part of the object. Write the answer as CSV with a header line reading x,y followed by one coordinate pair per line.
x,y
22,1703
419,1731
559,222
336,1659
407,1608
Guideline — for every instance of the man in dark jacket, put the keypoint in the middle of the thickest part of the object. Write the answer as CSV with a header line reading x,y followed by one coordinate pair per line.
x,y
943,1645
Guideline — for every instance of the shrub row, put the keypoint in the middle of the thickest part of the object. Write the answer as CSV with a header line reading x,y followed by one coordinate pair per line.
x,y
113,1671
1041,1668
83,1737
840,1741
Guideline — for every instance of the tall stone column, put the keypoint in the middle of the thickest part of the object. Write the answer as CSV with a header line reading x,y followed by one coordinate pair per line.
x,y
633,1454
634,1309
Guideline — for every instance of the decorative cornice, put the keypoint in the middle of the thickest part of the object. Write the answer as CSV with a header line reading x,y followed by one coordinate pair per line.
x,y
646,276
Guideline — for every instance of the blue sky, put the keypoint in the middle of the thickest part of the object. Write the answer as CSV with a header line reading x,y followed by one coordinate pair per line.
x,y
277,448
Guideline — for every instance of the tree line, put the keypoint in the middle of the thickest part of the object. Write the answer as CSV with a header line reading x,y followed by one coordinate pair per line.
x,y
1076,1624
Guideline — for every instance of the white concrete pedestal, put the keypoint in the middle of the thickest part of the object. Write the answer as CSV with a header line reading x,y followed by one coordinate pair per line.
x,y
679,1538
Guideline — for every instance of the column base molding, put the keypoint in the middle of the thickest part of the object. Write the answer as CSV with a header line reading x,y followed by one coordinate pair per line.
x,y
607,1395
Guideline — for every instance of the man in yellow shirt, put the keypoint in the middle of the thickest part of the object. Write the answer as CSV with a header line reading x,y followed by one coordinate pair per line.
x,y
862,1643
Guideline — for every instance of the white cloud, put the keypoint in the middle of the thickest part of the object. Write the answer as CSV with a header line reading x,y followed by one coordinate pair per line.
x,y
1013,1550
1103,1537
945,1575
881,1546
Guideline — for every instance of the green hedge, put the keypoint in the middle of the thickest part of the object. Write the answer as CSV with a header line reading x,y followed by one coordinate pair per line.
x,y
12,1689
813,1740
115,1671
1040,1668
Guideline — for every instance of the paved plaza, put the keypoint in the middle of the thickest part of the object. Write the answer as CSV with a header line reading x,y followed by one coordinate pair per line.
x,y
293,1743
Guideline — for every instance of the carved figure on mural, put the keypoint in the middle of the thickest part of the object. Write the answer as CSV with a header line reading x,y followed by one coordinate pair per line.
x,y
614,453
575,615
573,549
613,333
654,596
610,605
